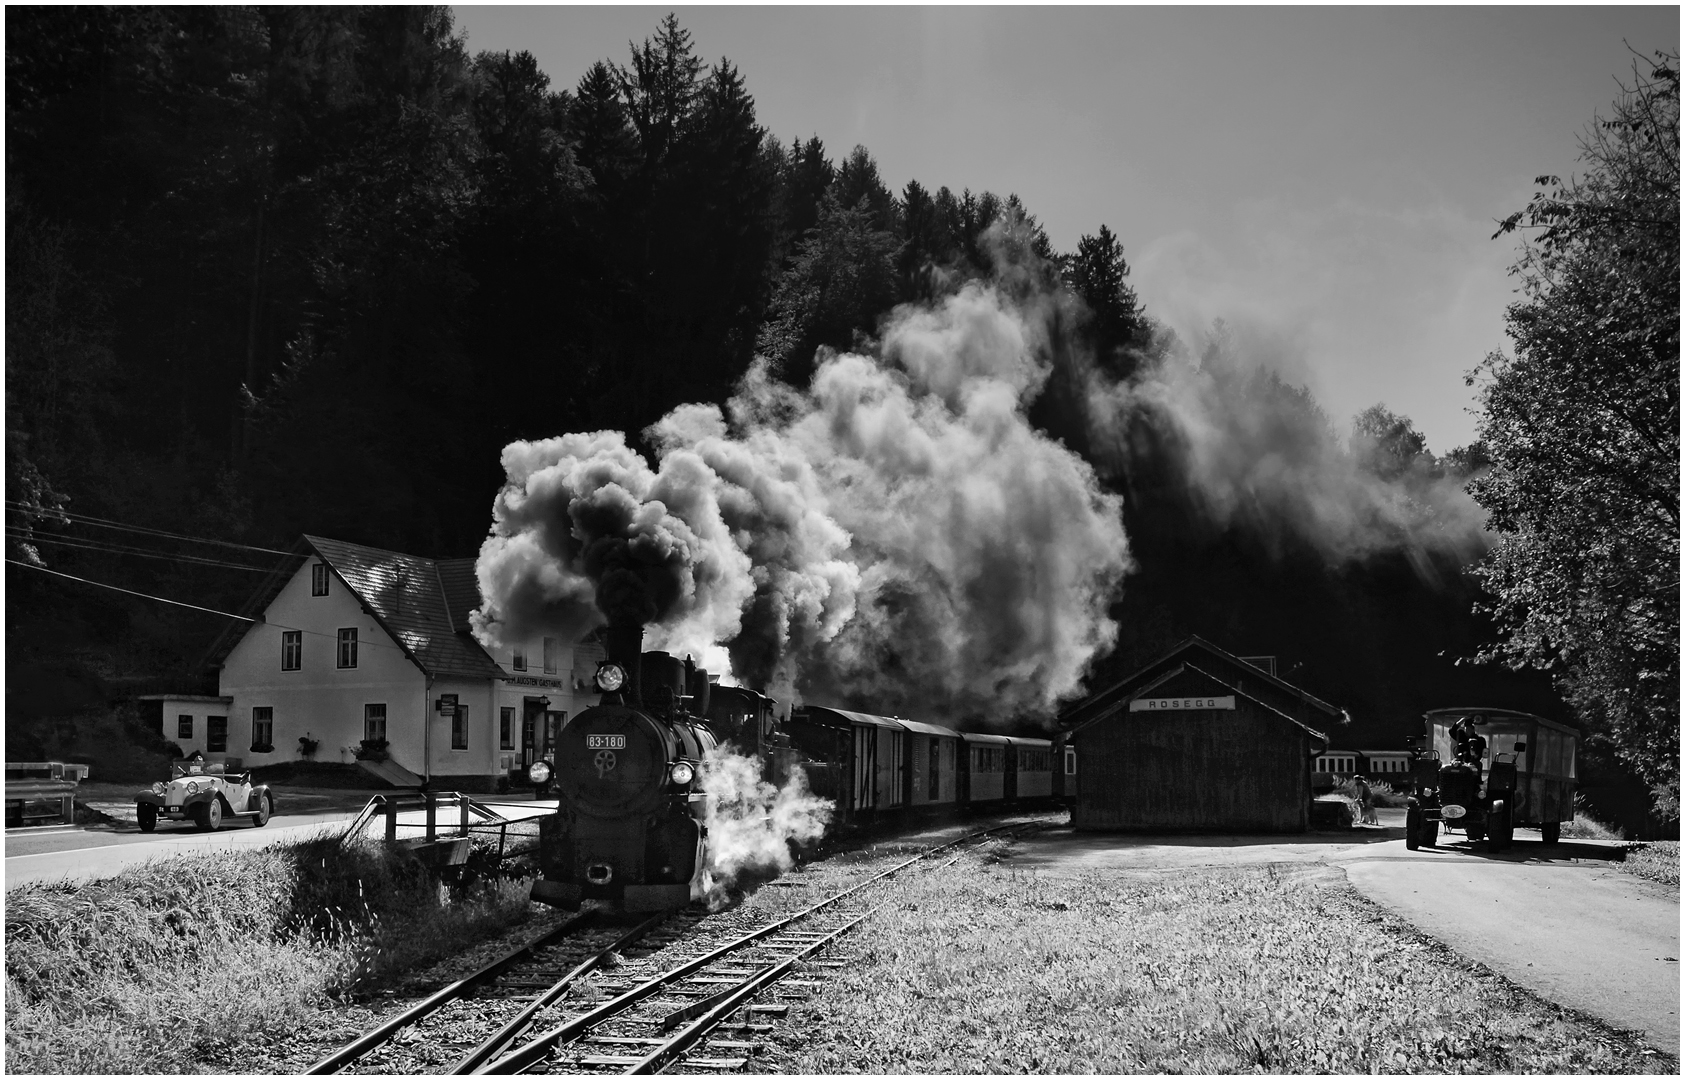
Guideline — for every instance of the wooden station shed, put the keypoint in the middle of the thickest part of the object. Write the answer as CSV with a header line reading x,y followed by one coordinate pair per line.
x,y
1197,741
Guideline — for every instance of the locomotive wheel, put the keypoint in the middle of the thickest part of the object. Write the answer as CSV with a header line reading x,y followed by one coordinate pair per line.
x,y
1412,827
1551,831
148,815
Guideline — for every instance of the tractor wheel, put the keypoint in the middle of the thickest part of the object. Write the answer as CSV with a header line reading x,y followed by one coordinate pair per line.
x,y
1499,828
264,804
147,815
1551,831
1412,827
1429,832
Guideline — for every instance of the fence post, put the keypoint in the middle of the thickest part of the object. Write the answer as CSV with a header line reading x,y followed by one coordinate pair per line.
x,y
466,801
391,812
432,815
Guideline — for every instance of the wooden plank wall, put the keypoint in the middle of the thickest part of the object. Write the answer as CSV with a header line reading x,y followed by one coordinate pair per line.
x,y
1246,770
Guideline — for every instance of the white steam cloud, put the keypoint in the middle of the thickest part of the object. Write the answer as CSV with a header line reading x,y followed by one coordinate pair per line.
x,y
895,535
1258,453
751,824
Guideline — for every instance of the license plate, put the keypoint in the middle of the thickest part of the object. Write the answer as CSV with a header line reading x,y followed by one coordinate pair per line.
x,y
175,809
605,742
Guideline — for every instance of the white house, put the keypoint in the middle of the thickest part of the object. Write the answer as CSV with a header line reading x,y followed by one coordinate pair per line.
x,y
354,643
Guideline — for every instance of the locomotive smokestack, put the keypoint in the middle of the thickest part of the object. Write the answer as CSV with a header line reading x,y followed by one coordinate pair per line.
x,y
626,648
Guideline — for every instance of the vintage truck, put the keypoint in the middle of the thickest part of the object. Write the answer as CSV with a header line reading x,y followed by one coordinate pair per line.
x,y
204,792
1485,771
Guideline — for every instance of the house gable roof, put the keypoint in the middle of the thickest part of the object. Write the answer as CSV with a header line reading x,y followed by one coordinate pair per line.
x,y
422,604
1224,667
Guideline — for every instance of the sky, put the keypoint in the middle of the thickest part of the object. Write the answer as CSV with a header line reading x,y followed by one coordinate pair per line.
x,y
1326,181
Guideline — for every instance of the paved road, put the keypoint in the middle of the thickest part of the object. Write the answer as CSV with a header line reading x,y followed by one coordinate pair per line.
x,y
1560,921
82,854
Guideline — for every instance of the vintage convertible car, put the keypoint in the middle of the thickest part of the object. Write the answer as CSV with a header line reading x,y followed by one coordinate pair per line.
x,y
204,792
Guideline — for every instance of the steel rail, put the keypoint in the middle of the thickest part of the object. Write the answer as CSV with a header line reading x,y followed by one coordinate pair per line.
x,y
534,1051
721,1006
516,1027
368,1041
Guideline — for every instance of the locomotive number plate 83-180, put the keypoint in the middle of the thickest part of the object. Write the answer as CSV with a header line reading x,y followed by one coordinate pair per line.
x,y
605,742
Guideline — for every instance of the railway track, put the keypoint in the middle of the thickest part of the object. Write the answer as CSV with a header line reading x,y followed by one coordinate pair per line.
x,y
661,1021
700,1013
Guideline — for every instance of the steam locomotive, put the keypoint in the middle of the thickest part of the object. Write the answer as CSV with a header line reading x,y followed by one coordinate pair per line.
x,y
630,829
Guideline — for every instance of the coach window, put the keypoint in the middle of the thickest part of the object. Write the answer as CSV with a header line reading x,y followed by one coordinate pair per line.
x,y
319,579
184,726
348,647
459,728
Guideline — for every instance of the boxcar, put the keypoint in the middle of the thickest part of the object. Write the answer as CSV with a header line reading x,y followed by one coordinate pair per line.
x,y
870,751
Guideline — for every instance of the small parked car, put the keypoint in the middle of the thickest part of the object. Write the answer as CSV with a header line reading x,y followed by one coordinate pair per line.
x,y
205,793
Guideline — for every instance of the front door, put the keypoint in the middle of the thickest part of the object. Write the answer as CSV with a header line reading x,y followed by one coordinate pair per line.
x,y
532,733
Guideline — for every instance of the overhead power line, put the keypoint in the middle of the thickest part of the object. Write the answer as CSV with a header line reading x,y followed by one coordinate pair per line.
x,y
106,523
81,544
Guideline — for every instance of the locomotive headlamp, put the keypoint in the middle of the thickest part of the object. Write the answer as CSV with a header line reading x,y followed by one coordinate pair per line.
x,y
538,772
610,677
681,772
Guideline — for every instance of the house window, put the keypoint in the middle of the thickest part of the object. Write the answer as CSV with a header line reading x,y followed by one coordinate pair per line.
x,y
348,647
216,734
506,728
184,726
374,721
319,579
263,728
551,648
519,660
459,728
292,650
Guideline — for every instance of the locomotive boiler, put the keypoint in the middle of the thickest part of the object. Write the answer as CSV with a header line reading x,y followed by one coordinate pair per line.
x,y
630,829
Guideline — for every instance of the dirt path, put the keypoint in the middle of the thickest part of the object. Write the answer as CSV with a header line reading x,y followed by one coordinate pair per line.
x,y
1561,921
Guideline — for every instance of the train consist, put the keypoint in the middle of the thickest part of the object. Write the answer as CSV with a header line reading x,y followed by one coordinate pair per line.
x,y
630,828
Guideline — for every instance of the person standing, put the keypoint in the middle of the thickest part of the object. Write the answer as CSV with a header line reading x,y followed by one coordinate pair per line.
x,y
1366,801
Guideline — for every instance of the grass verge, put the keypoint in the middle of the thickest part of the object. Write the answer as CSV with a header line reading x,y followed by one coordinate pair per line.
x,y
171,966
1658,861
1244,969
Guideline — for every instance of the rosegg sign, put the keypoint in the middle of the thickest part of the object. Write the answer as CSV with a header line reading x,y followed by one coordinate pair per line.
x,y
1160,704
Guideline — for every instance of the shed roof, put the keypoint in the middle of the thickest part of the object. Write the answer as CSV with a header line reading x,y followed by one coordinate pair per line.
x,y
422,604
1501,714
1221,665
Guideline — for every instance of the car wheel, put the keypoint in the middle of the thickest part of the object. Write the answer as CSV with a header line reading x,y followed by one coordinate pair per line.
x,y
1551,831
265,806
147,815
1412,828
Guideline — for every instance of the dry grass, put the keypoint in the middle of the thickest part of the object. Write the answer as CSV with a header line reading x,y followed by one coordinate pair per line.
x,y
1586,827
166,967
982,970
